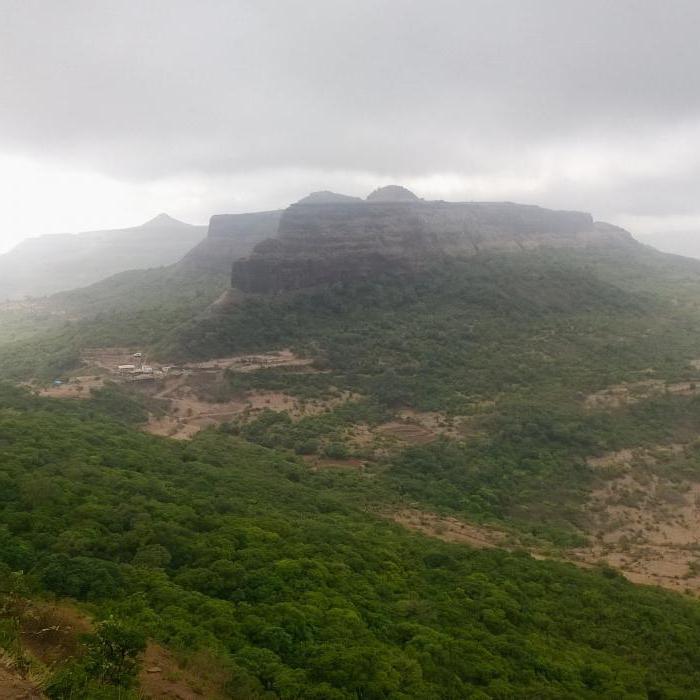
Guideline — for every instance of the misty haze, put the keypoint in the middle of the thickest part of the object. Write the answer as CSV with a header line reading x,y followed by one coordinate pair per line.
x,y
349,350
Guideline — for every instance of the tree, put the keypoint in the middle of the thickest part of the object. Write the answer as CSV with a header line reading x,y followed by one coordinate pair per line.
x,y
113,652
152,556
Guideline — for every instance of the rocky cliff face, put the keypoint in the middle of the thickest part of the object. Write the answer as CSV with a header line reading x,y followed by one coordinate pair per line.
x,y
321,242
229,237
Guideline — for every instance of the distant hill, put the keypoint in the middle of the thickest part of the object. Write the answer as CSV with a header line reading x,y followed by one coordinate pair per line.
x,y
198,278
53,263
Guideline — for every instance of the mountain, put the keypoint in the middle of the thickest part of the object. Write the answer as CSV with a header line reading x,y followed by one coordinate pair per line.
x,y
323,240
229,237
195,280
420,435
447,308
51,263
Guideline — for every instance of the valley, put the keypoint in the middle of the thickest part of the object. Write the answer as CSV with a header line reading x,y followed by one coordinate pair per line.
x,y
465,420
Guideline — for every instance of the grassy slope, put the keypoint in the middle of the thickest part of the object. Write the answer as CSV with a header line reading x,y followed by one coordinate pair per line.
x,y
283,572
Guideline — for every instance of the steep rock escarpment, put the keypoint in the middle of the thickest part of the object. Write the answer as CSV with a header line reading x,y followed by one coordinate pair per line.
x,y
321,242
229,237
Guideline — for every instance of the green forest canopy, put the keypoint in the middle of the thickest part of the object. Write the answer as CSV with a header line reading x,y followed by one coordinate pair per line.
x,y
240,549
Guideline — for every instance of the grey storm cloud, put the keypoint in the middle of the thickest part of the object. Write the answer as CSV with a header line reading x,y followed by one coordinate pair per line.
x,y
599,101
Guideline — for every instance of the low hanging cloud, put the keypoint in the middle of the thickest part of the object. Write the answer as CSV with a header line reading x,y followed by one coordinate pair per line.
x,y
200,107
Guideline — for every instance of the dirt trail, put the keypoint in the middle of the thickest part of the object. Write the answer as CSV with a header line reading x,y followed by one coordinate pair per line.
x,y
51,633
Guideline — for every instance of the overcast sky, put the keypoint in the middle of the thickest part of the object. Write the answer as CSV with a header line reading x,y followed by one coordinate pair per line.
x,y
111,112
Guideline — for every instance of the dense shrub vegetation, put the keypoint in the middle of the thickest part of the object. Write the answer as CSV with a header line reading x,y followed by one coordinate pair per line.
x,y
469,331
290,576
241,549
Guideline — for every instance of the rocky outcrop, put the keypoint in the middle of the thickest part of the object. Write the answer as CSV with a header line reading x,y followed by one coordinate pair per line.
x,y
321,242
229,237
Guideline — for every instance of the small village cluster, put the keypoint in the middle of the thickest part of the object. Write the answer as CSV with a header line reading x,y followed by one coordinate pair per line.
x,y
139,371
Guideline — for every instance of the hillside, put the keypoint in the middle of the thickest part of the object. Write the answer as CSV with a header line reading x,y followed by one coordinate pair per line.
x,y
52,263
439,426
282,576
540,357
123,301
196,280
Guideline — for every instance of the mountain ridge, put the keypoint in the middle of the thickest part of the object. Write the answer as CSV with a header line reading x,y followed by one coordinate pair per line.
x,y
325,240
58,262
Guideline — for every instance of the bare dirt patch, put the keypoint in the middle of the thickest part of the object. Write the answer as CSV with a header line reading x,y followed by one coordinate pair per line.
x,y
191,389
251,363
619,395
644,524
109,359
642,456
317,463
14,687
163,676
412,433
50,632
620,459
420,427
447,528
258,401
187,413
